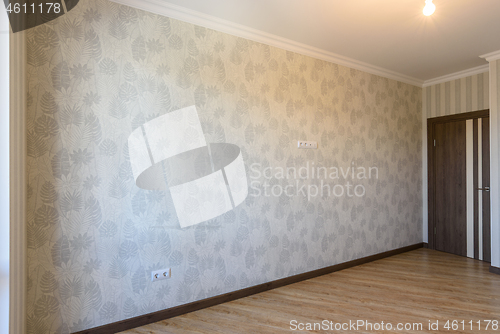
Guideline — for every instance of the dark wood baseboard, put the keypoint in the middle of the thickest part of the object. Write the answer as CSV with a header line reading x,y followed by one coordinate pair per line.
x,y
201,304
494,270
426,245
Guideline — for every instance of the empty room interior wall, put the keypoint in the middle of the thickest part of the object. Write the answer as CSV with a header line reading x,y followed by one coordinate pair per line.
x,y
495,163
453,97
103,70
457,96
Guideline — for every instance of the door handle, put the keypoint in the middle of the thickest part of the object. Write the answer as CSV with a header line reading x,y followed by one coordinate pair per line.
x,y
484,189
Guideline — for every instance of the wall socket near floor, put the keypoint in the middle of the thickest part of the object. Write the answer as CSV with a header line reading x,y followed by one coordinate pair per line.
x,y
158,275
307,144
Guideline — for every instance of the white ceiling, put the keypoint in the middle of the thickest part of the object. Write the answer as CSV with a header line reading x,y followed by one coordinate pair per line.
x,y
389,34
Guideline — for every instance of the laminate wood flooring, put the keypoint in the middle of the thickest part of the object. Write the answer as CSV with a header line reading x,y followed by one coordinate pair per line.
x,y
409,288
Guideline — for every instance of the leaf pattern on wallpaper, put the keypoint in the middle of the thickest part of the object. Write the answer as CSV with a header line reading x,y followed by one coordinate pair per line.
x,y
92,213
71,201
249,134
35,325
129,229
92,128
221,268
36,55
81,324
60,76
139,49
249,72
92,45
200,235
236,57
192,48
48,193
60,164
108,66
46,126
236,248
191,66
230,281
139,280
48,104
46,306
183,79
128,249
139,204
71,116
220,70
46,215
176,258
108,310
129,72
200,96
117,188
127,92
36,146
108,229
175,42
242,233
163,97
118,108
127,14
48,282
164,244
46,37
129,308
165,26
118,29
61,252
117,268
250,258
193,258
192,276
36,236
71,29
92,297
71,288
108,147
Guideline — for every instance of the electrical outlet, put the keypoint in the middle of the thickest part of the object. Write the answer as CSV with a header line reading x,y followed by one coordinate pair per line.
x,y
158,275
307,144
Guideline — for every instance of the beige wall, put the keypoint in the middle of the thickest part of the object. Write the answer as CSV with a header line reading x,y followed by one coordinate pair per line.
x,y
456,96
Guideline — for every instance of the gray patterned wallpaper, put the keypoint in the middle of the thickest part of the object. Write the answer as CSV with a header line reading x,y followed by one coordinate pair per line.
x,y
103,70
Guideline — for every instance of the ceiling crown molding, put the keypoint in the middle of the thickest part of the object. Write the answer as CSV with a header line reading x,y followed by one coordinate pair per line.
x,y
187,15
457,75
495,55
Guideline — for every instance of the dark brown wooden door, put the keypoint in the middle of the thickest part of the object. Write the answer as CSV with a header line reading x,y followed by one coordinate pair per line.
x,y
450,186
485,138
459,180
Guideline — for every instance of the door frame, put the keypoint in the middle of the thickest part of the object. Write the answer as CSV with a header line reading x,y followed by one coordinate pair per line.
x,y
431,192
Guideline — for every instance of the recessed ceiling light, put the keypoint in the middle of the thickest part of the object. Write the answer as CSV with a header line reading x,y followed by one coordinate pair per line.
x,y
429,8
